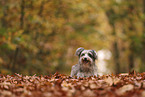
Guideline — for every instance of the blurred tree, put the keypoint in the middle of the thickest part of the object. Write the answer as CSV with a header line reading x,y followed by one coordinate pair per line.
x,y
124,18
42,36
143,39
112,20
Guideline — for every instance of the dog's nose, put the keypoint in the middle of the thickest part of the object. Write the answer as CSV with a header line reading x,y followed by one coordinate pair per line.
x,y
85,59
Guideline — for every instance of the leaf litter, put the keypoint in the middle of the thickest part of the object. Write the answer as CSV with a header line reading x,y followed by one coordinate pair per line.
x,y
131,84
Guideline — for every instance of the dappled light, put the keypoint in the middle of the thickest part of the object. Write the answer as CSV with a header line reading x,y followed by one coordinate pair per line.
x,y
103,57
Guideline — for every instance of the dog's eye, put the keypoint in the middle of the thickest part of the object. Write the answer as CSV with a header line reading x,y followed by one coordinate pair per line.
x,y
82,54
90,55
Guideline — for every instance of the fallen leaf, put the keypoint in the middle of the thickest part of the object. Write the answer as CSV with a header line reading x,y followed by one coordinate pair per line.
x,y
109,81
89,93
93,86
124,89
143,94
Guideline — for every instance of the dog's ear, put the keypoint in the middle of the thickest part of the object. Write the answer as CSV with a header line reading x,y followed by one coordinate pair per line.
x,y
79,50
94,54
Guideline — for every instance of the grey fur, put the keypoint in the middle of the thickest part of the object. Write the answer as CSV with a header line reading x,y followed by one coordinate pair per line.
x,y
94,54
79,50
86,66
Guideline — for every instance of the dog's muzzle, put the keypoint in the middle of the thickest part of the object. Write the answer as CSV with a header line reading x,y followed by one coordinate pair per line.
x,y
85,60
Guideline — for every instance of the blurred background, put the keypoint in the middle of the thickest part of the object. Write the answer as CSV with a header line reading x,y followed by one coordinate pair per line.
x,y
41,36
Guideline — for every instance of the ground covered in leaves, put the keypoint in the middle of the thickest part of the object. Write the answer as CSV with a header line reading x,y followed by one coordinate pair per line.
x,y
59,85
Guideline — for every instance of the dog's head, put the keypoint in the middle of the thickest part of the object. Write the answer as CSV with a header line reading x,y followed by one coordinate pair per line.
x,y
86,56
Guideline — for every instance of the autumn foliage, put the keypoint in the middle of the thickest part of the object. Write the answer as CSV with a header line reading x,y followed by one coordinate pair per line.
x,y
42,35
122,85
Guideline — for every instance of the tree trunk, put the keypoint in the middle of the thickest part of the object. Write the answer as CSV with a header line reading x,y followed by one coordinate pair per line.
x,y
116,54
143,54
131,57
143,42
14,60
4,10
116,57
132,46
21,27
22,14
41,8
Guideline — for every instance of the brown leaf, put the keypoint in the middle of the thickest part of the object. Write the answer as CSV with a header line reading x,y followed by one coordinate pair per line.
x,y
5,93
124,89
93,86
109,81
89,93
132,73
143,94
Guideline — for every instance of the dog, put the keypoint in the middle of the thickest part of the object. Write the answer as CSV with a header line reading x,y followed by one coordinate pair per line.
x,y
86,66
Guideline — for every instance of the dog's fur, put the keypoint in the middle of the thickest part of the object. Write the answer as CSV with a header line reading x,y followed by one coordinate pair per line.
x,y
86,66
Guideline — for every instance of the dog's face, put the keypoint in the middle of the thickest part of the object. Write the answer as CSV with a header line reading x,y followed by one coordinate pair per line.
x,y
86,57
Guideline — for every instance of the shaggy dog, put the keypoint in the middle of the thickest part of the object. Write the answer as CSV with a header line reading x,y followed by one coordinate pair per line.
x,y
86,66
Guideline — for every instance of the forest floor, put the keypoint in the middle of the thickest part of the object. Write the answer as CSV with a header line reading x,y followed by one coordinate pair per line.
x,y
131,84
